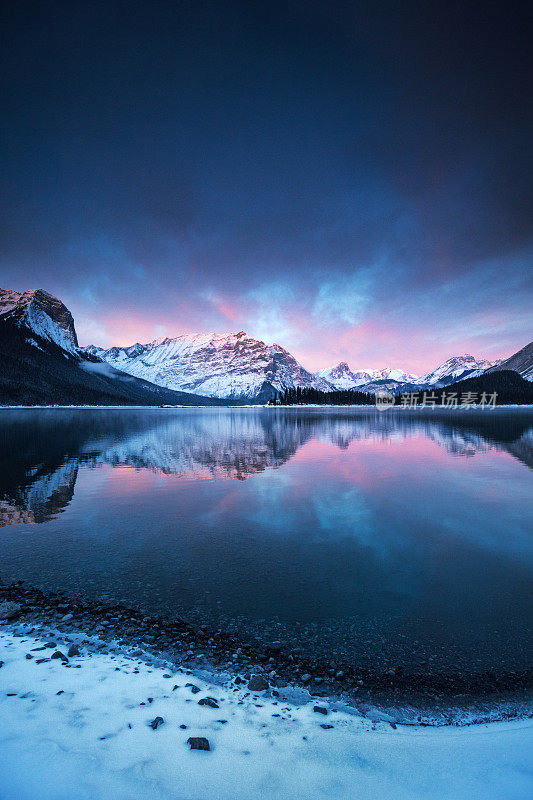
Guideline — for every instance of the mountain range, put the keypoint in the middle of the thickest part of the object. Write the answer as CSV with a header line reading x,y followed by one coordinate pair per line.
x,y
42,363
232,366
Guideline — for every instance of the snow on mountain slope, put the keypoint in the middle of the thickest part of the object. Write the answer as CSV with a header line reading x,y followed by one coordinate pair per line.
x,y
521,362
342,377
390,374
213,365
42,314
41,363
394,379
455,368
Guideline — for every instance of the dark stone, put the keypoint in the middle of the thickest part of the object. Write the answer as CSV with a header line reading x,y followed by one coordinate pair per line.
x,y
59,654
73,650
326,726
198,743
194,689
155,723
320,710
29,656
257,684
208,701
183,727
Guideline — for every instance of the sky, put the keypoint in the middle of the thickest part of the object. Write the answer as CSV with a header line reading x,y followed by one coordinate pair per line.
x,y
351,180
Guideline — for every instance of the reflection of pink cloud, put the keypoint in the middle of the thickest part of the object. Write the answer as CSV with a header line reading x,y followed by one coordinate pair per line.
x,y
382,468
368,459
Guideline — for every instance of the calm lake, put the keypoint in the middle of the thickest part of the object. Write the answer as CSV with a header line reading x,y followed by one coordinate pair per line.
x,y
388,538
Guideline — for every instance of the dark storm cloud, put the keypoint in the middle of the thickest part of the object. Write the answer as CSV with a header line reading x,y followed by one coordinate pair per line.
x,y
258,165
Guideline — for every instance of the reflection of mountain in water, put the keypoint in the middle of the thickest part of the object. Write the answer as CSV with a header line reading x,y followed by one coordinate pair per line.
x,y
460,433
213,446
42,450
43,494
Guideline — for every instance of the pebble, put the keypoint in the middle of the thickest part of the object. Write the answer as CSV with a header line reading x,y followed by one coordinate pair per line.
x,y
257,684
155,723
208,701
59,654
198,743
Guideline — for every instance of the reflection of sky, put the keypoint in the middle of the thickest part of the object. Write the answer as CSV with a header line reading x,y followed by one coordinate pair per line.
x,y
388,495
365,515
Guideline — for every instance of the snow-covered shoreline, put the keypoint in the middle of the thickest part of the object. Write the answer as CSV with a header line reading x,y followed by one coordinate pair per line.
x,y
412,697
80,728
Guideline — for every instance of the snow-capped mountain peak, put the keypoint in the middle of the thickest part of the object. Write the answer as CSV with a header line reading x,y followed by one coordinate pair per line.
x,y
394,374
455,368
342,377
226,365
42,314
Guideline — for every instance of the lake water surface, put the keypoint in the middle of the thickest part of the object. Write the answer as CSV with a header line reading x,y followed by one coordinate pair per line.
x,y
385,538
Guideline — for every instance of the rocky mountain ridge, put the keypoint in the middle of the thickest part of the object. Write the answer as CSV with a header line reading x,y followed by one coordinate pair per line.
x,y
233,366
209,367
42,313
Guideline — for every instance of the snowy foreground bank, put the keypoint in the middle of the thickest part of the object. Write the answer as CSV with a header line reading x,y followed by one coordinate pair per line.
x,y
81,729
